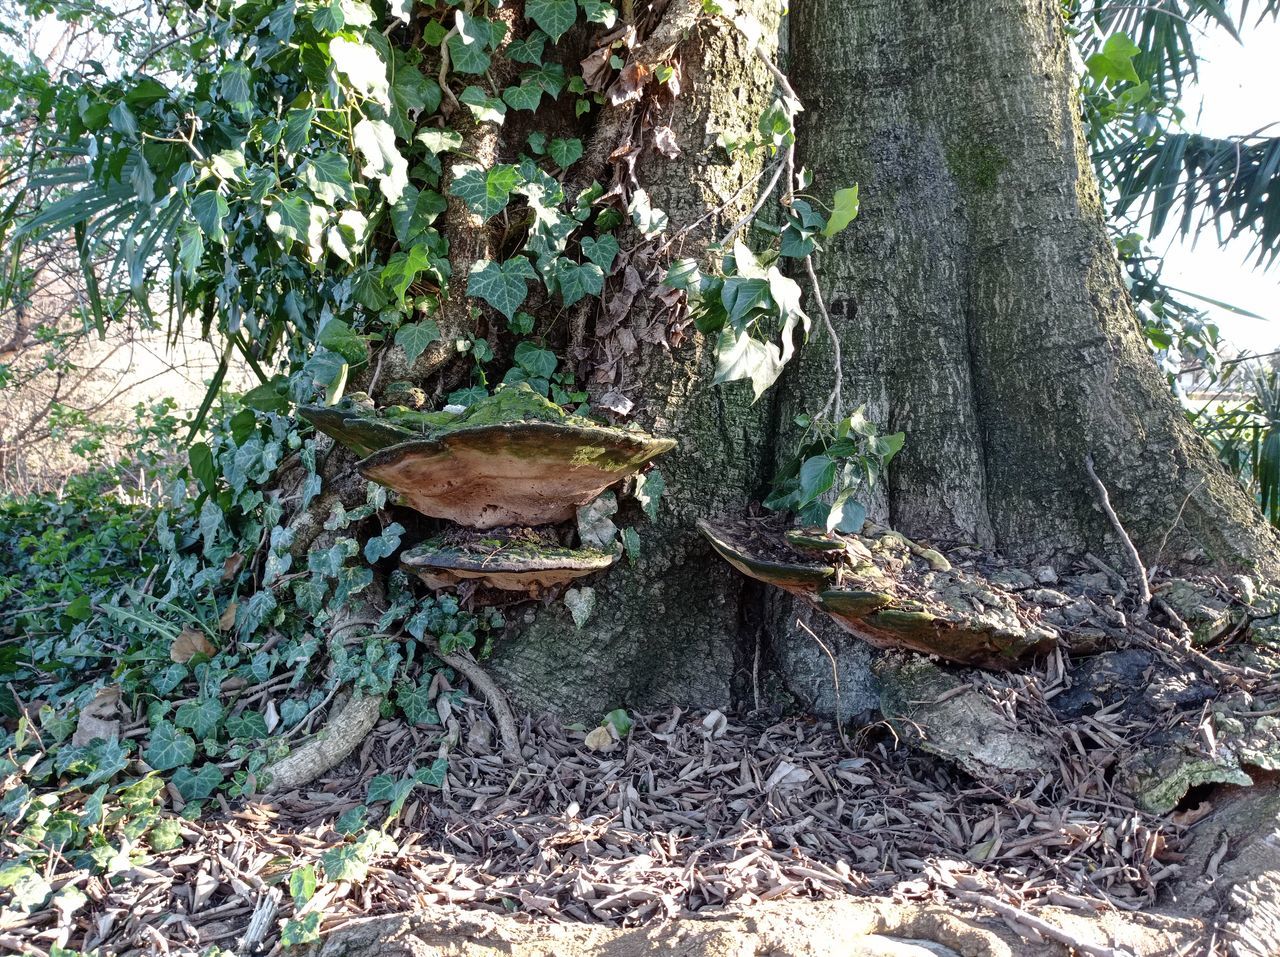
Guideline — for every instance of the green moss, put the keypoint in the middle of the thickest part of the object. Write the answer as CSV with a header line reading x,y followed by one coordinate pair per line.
x,y
975,166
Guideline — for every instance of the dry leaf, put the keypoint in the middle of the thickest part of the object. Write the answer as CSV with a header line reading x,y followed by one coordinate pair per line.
x,y
616,402
99,719
190,643
664,141
630,84
227,620
601,739
596,70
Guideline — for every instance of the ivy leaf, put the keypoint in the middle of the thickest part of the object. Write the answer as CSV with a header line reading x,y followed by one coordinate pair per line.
x,y
328,177
197,785
501,285
467,45
566,152
486,192
1114,61
602,251
416,210
434,775
416,336
415,701
485,108
528,50
555,17
440,141
846,208
649,488
210,209
742,357
817,475
346,237
631,544
190,248
536,361
298,931
376,142
600,12
345,863
234,86
549,76
169,748
328,17
302,884
403,267
526,96
297,129
363,68
384,545
741,296
803,223
649,219
576,281
581,602
337,336
200,716
386,787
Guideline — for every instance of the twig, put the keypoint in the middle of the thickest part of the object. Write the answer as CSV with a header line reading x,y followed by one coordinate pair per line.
x,y
471,670
759,204
1131,550
835,678
833,401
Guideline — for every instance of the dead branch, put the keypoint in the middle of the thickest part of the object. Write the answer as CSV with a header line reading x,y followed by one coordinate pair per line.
x,y
1143,583
344,730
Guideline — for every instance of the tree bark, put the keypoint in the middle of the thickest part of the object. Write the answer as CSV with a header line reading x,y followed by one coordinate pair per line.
x,y
667,629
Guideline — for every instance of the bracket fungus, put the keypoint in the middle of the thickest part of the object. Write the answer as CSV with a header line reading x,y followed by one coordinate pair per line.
x,y
518,566
364,430
514,458
887,591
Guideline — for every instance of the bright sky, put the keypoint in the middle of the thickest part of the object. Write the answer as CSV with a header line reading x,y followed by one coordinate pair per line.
x,y
1236,95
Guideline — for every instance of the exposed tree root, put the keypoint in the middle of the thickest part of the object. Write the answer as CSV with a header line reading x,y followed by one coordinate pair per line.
x,y
344,730
471,670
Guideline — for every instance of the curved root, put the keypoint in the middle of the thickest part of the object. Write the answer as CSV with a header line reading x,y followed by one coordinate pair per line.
x,y
471,670
344,729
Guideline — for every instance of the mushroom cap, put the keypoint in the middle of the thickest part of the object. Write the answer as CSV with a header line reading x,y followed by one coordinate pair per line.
x,y
511,473
509,566
737,548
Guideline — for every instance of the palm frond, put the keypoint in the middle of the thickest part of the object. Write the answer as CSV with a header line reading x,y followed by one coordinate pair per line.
x,y
1231,184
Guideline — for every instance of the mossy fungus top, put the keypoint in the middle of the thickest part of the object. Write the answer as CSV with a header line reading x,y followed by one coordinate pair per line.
x,y
525,566
513,458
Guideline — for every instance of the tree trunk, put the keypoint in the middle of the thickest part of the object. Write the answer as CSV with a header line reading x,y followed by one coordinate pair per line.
x,y
670,628
980,309
979,302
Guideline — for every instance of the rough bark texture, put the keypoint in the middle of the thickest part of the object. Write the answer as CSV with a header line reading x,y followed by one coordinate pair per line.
x,y
977,298
667,628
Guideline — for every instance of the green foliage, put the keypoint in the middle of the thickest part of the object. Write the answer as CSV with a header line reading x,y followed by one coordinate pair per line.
x,y
1247,437
835,462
